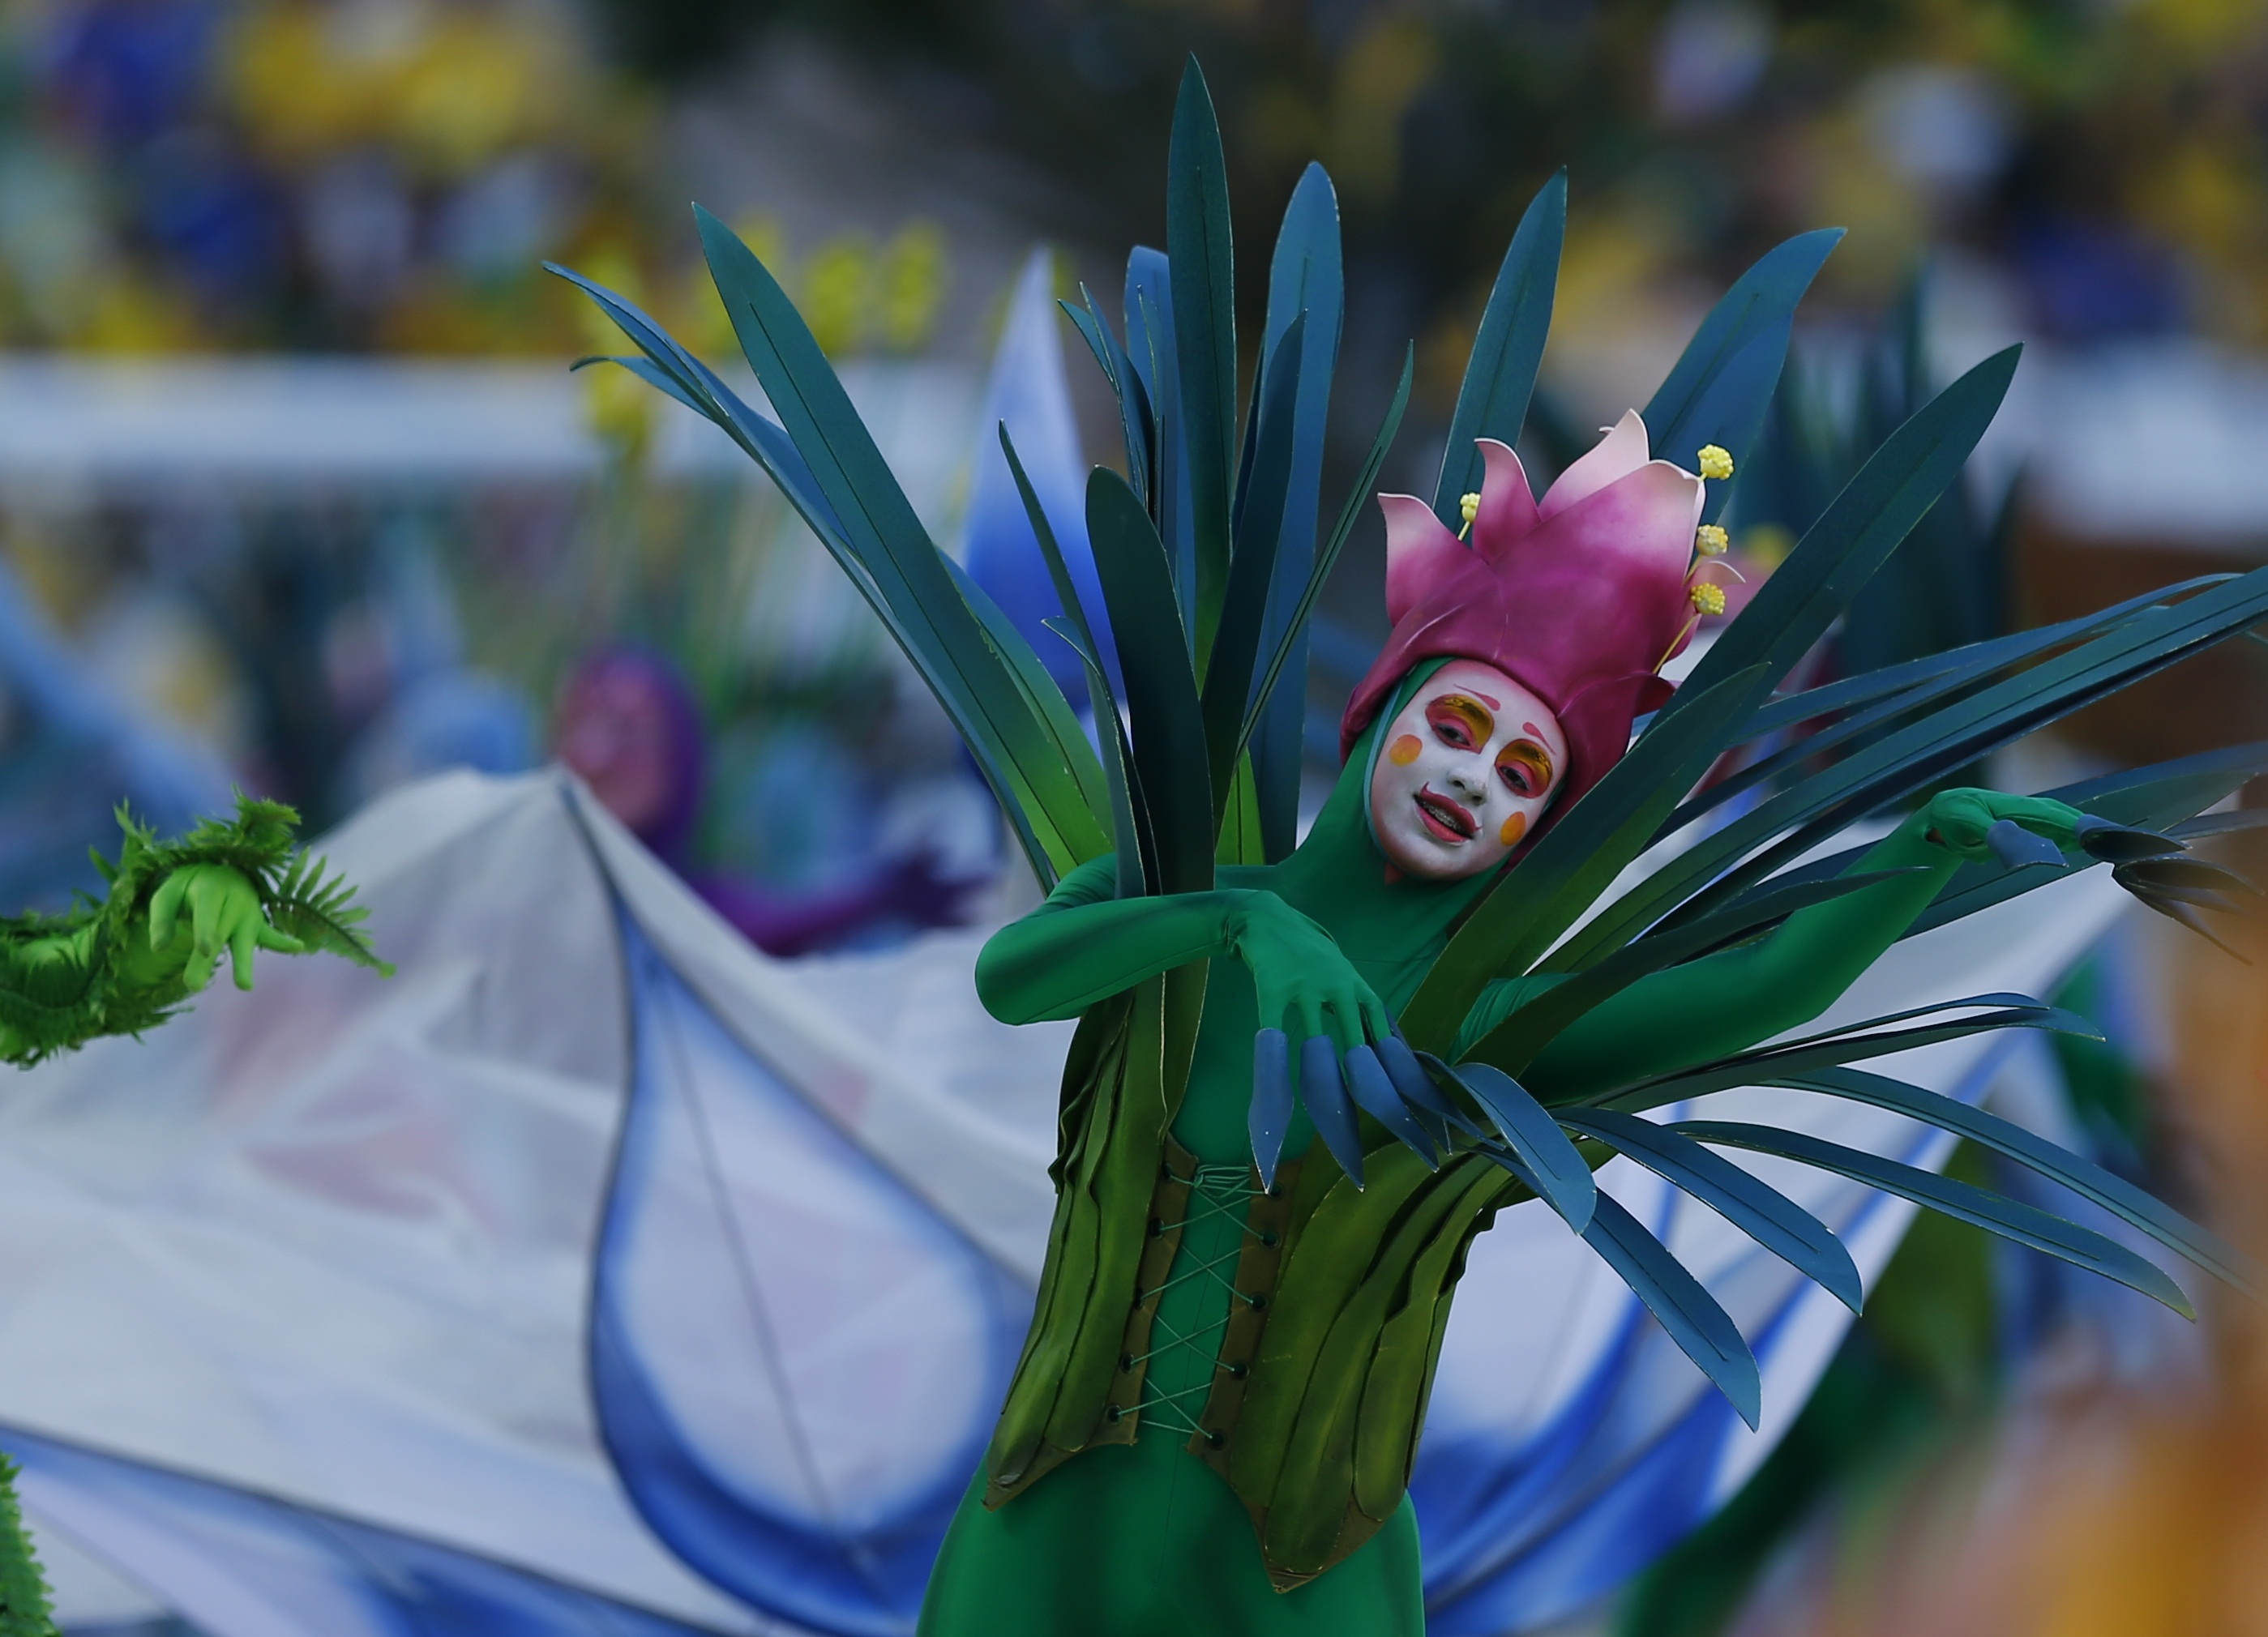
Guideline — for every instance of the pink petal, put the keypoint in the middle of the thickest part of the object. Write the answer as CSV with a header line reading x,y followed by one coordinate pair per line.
x,y
1507,504
1646,517
1417,550
1622,451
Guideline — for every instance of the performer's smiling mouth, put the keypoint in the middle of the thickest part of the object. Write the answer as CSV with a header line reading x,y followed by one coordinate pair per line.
x,y
1447,821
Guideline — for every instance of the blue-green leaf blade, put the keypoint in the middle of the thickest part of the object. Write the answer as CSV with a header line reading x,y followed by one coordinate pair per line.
x,y
1719,389
1874,1037
1693,1318
1760,1211
1561,1174
1855,537
1251,571
1168,721
1327,558
2011,1219
1201,263
913,593
2113,1193
1306,275
1500,375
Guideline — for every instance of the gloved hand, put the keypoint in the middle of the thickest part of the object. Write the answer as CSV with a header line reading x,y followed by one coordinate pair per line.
x,y
2020,830
1989,824
1309,990
224,913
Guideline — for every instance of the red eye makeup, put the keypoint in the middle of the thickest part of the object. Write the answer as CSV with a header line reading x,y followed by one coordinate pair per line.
x,y
1459,723
1525,768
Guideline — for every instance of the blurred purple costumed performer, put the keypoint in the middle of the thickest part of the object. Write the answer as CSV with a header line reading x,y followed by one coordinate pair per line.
x,y
628,726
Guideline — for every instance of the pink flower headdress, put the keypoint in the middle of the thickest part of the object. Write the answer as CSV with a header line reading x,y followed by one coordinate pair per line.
x,y
1580,598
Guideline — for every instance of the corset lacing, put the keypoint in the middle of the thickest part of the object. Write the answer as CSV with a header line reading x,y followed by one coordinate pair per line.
x,y
1215,1190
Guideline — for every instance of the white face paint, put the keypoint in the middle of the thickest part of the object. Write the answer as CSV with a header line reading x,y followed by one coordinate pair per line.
x,y
1464,771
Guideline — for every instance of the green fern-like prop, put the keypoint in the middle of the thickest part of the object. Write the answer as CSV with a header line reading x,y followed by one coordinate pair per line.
x,y
24,1607
52,1001
297,897
320,911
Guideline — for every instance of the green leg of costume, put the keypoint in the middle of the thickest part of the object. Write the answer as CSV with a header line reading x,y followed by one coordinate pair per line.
x,y
1143,1540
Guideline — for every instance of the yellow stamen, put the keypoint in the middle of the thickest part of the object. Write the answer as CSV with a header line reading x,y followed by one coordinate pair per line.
x,y
1471,505
1677,641
1710,540
1708,600
1716,461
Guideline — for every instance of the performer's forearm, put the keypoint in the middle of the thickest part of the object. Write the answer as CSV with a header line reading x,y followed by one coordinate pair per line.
x,y
1058,961
1728,1002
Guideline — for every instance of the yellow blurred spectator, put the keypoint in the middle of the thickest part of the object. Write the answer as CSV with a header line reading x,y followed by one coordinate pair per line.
x,y
910,286
448,85
835,294
616,404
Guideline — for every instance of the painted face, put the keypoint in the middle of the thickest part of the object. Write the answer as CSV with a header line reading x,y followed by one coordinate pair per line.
x,y
1464,771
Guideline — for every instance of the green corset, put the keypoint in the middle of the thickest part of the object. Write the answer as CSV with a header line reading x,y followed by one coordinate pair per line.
x,y
1290,1336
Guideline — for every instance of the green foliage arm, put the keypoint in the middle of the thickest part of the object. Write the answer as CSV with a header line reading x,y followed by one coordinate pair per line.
x,y
24,1608
174,908
1728,1001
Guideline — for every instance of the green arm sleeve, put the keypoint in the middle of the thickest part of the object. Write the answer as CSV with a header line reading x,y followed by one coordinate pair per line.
x,y
1728,1001
1083,946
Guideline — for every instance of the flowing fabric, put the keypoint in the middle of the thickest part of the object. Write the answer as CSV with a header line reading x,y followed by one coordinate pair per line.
x,y
331,1243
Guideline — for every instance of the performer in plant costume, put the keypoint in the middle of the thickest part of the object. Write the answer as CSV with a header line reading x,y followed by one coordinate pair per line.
x,y
174,911
1213,1423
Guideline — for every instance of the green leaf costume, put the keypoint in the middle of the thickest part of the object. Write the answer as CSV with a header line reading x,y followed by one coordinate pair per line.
x,y
1213,1424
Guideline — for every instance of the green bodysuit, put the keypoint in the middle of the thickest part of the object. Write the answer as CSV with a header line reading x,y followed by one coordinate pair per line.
x,y
1146,1530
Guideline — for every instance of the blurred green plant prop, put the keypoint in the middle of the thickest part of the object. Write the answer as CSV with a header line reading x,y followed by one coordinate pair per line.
x,y
1210,550
24,1607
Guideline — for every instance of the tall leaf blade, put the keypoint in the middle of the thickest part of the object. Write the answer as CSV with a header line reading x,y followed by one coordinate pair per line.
x,y
1500,375
1721,386
1328,558
1306,275
1168,721
1129,827
1848,693
914,598
2154,797
1251,572
2012,1219
1920,752
1198,250
1769,1065
1133,402
1934,683
1041,696
1153,351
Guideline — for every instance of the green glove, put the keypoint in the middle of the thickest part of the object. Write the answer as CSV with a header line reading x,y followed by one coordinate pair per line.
x,y
224,913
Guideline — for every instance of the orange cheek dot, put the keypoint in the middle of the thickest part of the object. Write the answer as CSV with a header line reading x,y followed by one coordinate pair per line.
x,y
1403,751
1514,827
